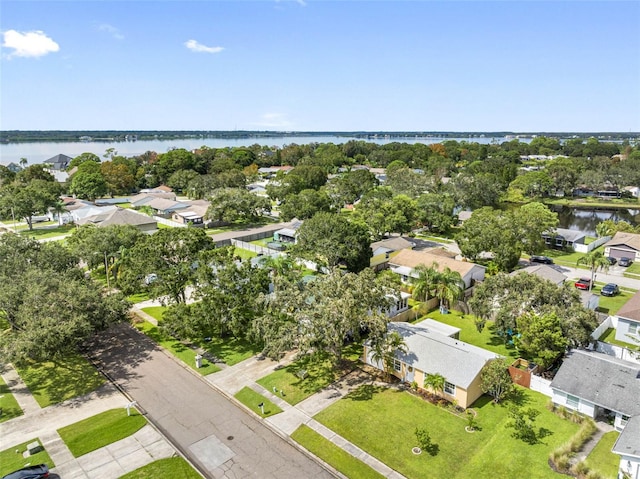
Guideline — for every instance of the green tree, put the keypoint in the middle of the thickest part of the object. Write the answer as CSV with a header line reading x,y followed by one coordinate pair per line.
x,y
304,205
332,240
171,254
236,204
118,178
435,382
424,283
448,287
88,182
181,179
82,158
385,349
435,212
595,261
541,337
23,200
496,380
534,219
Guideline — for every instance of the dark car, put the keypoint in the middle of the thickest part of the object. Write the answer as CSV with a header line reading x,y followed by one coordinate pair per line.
x,y
583,283
612,260
541,259
610,289
30,472
624,261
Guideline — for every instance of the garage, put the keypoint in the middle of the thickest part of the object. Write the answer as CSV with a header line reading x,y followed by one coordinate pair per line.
x,y
618,252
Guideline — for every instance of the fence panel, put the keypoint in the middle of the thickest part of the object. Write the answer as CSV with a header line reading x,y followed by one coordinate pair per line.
x,y
541,385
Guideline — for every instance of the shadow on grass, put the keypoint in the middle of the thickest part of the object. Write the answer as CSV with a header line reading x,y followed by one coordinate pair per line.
x,y
432,449
518,397
364,392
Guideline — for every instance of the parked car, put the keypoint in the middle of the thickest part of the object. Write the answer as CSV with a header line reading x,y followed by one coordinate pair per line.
x,y
31,472
541,259
612,260
624,261
583,283
610,289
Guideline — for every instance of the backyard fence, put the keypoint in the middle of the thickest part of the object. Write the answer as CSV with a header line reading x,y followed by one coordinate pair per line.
x,y
541,385
261,250
168,222
617,351
585,248
610,322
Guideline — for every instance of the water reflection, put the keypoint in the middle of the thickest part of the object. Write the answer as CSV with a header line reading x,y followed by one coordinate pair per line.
x,y
586,219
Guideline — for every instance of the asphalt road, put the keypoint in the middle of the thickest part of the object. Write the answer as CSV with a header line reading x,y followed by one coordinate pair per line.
x,y
223,440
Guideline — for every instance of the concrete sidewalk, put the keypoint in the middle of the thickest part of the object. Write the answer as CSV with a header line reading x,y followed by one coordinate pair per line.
x,y
246,373
109,462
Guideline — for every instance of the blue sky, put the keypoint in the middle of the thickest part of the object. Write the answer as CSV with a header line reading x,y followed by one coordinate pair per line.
x,y
320,65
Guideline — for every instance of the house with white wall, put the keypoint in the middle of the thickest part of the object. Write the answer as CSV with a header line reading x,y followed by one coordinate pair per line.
x,y
628,325
596,385
628,447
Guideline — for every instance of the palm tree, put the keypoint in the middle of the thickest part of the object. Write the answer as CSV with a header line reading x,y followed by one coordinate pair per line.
x,y
595,260
23,162
449,287
385,350
424,283
59,208
435,382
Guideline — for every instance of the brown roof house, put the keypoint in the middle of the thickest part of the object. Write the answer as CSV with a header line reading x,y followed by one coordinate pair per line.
x,y
121,216
385,249
405,262
628,316
623,245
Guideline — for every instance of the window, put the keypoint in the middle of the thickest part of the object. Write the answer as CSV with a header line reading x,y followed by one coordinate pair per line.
x,y
397,365
633,328
624,419
572,401
449,388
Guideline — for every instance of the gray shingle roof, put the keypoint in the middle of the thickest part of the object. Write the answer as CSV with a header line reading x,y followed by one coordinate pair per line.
x,y
631,309
432,352
628,443
602,380
543,271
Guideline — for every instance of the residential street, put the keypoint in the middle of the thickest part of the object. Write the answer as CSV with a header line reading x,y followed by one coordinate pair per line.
x,y
219,437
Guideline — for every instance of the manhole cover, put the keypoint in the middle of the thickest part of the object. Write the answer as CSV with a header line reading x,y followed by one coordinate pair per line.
x,y
229,438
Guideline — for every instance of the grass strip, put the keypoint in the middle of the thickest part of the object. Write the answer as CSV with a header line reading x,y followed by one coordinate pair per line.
x,y
100,430
333,455
174,467
252,399
9,407
11,459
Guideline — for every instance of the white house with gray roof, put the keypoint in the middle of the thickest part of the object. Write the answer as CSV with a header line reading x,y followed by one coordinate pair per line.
x,y
628,447
432,350
628,324
597,384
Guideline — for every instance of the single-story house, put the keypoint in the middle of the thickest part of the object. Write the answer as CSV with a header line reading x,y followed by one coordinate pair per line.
x,y
385,249
545,272
628,447
464,216
157,189
142,199
405,262
628,316
596,384
633,191
623,245
112,215
431,351
400,304
194,214
81,215
287,234
561,238
165,208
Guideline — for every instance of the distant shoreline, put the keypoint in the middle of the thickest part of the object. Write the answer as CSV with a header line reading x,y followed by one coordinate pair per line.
x,y
111,136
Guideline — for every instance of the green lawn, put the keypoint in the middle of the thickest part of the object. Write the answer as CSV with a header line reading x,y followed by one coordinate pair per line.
x,y
172,467
177,348
611,304
244,253
41,233
8,404
383,421
487,339
52,383
101,430
251,399
602,459
333,455
319,374
155,311
229,350
10,460
609,336
138,297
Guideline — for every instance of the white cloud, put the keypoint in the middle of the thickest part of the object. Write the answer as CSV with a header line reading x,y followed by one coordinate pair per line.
x,y
195,46
111,30
29,44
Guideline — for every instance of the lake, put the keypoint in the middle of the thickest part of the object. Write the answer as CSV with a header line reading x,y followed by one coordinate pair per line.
x,y
37,152
586,219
